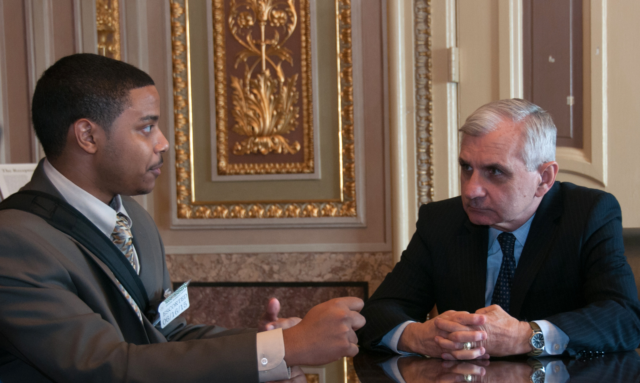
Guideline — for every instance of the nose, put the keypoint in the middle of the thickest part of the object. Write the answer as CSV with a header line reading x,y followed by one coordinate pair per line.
x,y
473,186
162,145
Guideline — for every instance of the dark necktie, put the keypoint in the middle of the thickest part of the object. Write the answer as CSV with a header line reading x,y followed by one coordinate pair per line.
x,y
502,291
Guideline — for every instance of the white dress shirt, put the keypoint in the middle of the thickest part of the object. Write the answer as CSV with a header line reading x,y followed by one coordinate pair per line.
x,y
555,340
269,344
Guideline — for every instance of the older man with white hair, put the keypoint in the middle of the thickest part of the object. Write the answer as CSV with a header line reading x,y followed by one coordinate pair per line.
x,y
518,264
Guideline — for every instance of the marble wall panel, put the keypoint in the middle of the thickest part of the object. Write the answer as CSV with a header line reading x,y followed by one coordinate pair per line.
x,y
282,267
242,306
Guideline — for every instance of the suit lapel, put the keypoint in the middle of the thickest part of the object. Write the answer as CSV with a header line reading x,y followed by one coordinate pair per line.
x,y
537,247
471,264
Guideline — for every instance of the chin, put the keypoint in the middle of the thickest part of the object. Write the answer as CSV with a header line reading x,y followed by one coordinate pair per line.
x,y
480,219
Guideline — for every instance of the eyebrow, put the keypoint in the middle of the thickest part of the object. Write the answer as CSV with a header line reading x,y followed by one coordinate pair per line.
x,y
496,165
150,118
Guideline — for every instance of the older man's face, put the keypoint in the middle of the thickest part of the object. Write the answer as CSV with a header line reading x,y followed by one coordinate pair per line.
x,y
497,189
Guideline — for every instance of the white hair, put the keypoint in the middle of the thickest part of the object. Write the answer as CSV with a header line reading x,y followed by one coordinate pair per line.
x,y
539,131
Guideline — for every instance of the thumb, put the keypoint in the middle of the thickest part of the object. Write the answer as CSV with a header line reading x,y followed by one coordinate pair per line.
x,y
272,310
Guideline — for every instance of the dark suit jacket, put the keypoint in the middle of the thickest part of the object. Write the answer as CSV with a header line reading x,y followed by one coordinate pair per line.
x,y
572,271
62,314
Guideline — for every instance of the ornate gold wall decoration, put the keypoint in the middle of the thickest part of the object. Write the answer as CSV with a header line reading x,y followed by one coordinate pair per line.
x,y
264,104
424,100
264,107
108,25
188,207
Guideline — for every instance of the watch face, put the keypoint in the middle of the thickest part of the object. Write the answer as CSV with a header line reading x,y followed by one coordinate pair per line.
x,y
538,376
537,341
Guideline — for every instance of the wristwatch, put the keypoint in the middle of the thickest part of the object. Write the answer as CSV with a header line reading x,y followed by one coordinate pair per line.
x,y
537,340
538,374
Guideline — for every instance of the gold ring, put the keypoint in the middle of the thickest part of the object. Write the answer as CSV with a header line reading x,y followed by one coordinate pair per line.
x,y
467,346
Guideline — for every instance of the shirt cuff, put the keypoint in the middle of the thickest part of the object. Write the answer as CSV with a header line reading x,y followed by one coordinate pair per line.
x,y
391,339
270,352
555,340
556,372
390,367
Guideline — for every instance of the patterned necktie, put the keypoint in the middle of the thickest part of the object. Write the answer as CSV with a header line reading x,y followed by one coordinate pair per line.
x,y
123,240
502,291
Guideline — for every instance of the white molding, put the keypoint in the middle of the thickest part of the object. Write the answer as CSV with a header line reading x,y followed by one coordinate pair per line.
x,y
4,102
592,161
40,52
86,31
134,49
282,248
510,49
134,33
401,121
452,106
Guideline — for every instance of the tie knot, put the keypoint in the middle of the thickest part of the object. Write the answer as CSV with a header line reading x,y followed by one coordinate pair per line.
x,y
122,220
507,241
122,231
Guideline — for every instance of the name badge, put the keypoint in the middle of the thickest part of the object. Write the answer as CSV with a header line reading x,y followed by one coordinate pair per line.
x,y
174,305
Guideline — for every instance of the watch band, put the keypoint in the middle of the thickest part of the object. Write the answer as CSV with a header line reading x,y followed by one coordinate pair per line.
x,y
536,340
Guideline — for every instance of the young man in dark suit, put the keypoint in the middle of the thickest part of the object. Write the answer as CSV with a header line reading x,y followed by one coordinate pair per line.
x,y
518,264
66,315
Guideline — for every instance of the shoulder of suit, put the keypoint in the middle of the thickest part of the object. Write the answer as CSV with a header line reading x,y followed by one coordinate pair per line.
x,y
447,207
573,193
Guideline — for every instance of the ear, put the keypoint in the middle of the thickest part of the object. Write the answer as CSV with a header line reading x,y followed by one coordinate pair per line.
x,y
548,172
86,134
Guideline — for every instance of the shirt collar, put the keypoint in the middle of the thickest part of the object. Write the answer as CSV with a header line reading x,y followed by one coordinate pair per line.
x,y
520,233
100,214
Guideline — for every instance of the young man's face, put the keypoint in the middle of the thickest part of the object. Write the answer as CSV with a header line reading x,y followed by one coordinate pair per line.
x,y
131,156
497,188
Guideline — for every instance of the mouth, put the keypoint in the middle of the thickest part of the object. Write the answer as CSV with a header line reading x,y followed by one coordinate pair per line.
x,y
155,169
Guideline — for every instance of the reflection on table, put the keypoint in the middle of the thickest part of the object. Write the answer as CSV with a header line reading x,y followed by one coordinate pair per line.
x,y
613,368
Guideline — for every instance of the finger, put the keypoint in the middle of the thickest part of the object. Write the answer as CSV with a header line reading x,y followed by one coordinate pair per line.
x,y
488,309
467,336
451,377
272,310
357,320
352,337
353,303
464,354
449,326
353,350
270,315
283,323
447,344
467,319
468,369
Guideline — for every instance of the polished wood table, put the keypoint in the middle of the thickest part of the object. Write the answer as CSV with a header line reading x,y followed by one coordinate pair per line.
x,y
610,368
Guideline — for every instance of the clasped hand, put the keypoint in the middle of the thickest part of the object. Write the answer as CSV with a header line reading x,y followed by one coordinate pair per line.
x,y
490,330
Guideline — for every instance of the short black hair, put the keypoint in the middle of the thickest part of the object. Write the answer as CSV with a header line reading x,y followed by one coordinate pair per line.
x,y
81,86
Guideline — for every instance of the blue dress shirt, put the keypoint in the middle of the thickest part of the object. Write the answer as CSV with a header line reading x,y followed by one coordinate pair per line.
x,y
555,340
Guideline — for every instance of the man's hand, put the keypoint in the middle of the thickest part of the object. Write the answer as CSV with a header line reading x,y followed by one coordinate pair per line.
x,y
505,335
325,334
270,320
422,338
297,376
